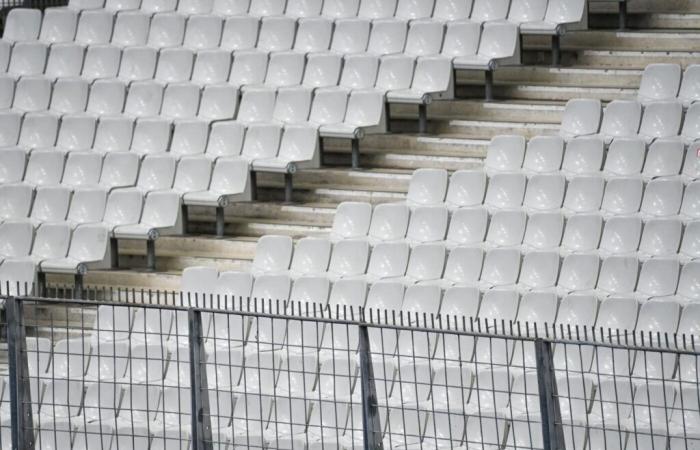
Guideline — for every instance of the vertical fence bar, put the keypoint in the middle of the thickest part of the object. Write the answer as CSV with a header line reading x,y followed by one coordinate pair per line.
x,y
552,430
370,413
20,397
201,418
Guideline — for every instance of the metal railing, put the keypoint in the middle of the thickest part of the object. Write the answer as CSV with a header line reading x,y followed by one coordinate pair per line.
x,y
168,370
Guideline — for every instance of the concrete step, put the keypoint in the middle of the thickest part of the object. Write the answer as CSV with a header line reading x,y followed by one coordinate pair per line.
x,y
122,279
634,59
336,178
556,76
646,6
513,90
544,112
641,40
664,21
485,130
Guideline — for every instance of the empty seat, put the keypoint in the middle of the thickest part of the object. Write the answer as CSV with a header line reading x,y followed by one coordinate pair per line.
x,y
505,190
101,61
545,192
525,11
622,196
7,91
690,86
463,267
621,235
540,270
351,220
240,33
467,227
225,139
621,119
559,17
350,36
688,282
690,246
44,167
70,96
427,187
690,209
466,188
387,36
582,233
313,35
58,26
584,194
262,141
376,9
211,66
625,157
544,154
167,30
659,82
579,272
339,9
161,215
505,154
303,8
389,222
506,228
691,130
17,201
39,130
501,267
661,237
266,7
150,136
113,134
656,321
273,254
15,239
276,34
77,133
88,248
388,260
137,63
32,94
618,275
12,164
131,28
485,11
450,10
544,231
94,27
664,159
581,117
691,166
123,208
349,258
82,168
87,206
661,120
658,278
203,32
498,45
427,224
583,156
10,124
322,70
662,197
51,205
229,183
22,24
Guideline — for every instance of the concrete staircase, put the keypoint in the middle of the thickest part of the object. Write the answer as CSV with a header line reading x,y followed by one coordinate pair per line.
x,y
600,63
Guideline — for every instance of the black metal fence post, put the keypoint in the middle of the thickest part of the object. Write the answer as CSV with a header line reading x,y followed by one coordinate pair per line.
x,y
552,430
370,412
201,418
20,396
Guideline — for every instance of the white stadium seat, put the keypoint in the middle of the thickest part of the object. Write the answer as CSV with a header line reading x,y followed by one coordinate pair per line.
x,y
94,27
349,258
22,24
131,28
581,118
506,228
505,154
389,222
625,157
524,11
689,91
659,82
664,159
660,120
584,194
64,60
466,188
621,119
467,227
621,235
166,30
351,221
485,11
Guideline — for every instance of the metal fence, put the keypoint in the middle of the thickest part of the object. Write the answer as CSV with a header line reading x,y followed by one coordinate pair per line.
x,y
157,370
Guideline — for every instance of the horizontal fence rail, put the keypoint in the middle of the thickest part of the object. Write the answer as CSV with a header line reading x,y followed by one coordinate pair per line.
x,y
130,369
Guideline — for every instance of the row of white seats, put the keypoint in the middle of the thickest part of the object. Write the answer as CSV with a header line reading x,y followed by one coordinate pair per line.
x,y
668,82
586,156
584,233
496,306
272,34
56,24
431,264
657,120
549,192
